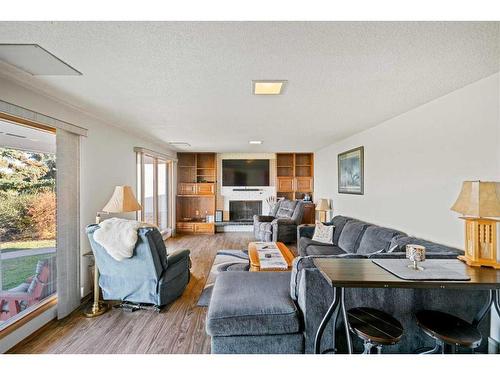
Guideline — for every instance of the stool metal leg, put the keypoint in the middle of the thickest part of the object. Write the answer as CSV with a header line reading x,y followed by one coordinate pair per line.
x,y
330,314
434,350
368,347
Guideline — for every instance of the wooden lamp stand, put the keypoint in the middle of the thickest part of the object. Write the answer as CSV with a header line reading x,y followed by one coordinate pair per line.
x,y
481,242
479,202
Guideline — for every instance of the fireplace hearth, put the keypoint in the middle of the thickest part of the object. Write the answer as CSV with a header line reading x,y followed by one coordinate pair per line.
x,y
243,211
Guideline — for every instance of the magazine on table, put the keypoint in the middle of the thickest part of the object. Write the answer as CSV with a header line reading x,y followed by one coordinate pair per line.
x,y
270,256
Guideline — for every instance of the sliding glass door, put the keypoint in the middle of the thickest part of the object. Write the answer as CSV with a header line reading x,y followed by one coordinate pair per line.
x,y
27,219
154,190
162,193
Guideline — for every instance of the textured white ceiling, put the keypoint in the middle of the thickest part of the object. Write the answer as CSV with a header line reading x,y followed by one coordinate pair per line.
x,y
191,81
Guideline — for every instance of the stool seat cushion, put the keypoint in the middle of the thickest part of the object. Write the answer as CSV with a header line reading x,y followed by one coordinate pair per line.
x,y
252,303
449,328
375,325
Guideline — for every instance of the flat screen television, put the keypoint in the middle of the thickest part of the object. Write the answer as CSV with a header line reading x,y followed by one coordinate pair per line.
x,y
245,172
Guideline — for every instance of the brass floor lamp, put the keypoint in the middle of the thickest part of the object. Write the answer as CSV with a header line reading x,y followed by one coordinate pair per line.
x,y
122,200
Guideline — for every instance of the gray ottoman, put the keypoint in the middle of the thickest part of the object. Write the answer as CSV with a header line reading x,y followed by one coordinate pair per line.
x,y
252,312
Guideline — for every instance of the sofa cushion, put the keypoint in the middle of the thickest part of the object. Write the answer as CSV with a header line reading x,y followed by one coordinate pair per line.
x,y
351,235
274,209
252,303
375,239
286,209
339,222
324,250
304,243
292,343
402,241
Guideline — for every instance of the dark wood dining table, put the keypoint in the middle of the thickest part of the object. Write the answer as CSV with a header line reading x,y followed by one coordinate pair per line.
x,y
363,273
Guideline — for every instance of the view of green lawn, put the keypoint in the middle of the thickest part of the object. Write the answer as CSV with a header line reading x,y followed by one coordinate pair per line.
x,y
27,213
23,245
16,271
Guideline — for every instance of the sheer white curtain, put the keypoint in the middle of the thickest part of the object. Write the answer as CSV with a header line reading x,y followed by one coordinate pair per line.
x,y
68,222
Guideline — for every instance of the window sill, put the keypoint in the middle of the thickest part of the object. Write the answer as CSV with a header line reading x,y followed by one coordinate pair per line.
x,y
22,320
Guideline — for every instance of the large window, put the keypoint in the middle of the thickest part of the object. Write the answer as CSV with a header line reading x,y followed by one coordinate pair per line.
x,y
154,189
27,219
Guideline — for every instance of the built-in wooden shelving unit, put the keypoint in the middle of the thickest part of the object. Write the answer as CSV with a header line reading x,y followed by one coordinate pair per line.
x,y
295,173
295,179
197,177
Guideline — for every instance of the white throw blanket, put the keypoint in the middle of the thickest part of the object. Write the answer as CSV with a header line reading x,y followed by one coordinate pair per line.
x,y
118,236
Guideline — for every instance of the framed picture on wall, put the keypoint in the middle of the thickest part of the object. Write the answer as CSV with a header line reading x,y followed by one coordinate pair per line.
x,y
351,171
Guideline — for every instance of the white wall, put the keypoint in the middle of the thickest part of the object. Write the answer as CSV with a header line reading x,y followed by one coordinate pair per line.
x,y
107,159
415,163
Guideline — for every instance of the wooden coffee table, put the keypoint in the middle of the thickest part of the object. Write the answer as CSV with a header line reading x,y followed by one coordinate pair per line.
x,y
254,257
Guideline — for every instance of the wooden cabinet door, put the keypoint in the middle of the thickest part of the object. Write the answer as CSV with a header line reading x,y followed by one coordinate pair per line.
x,y
203,228
185,227
304,184
285,184
186,189
309,213
205,189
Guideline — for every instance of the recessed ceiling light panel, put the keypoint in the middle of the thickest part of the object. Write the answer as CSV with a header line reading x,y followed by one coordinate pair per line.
x,y
268,87
35,60
179,143
255,142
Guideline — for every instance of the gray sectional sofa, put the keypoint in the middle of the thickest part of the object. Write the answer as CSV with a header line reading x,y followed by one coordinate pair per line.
x,y
279,312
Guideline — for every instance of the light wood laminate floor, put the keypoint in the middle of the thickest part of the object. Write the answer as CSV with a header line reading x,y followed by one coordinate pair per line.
x,y
179,328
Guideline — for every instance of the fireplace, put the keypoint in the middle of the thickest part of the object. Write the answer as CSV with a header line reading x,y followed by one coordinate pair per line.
x,y
244,210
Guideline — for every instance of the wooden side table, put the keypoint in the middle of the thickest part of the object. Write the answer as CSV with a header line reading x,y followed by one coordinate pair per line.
x,y
363,273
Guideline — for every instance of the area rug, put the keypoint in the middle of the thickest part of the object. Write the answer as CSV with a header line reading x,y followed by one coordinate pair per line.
x,y
225,260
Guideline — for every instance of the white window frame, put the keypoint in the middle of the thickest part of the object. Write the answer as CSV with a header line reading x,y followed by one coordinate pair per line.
x,y
169,165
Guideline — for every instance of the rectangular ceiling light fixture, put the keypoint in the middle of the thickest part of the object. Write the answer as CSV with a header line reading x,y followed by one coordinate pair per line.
x,y
35,60
179,143
268,87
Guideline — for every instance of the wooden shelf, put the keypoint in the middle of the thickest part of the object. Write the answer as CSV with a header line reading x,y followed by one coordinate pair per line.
x,y
294,172
197,174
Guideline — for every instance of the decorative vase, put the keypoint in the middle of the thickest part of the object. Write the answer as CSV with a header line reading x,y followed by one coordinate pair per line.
x,y
415,253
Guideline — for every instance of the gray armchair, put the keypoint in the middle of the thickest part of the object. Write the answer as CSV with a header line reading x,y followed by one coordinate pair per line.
x,y
150,276
281,224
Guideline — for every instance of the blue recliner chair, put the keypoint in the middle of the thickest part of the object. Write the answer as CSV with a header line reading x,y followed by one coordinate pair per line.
x,y
150,276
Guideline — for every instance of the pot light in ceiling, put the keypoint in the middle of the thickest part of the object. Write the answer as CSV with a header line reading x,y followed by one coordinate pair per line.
x,y
35,60
255,142
268,87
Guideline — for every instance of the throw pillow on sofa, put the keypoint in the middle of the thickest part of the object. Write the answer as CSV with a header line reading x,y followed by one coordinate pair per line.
x,y
323,233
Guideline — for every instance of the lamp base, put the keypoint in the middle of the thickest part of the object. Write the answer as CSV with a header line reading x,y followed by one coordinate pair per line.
x,y
476,263
97,308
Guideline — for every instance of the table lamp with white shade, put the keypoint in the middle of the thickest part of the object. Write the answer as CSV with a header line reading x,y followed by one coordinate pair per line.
x,y
122,200
479,202
322,207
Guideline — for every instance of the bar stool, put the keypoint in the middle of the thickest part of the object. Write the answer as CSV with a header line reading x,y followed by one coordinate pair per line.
x,y
376,328
449,331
